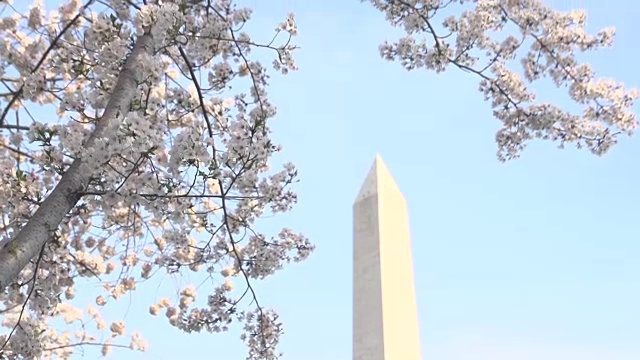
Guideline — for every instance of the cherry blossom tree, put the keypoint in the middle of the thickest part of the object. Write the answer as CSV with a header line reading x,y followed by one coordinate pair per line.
x,y
488,38
135,140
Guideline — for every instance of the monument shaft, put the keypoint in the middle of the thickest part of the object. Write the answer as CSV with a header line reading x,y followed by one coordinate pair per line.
x,y
385,317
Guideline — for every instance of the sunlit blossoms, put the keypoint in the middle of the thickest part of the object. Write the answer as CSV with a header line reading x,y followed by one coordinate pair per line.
x,y
486,37
134,141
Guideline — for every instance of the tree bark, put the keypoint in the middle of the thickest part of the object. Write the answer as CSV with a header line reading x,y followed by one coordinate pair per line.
x,y
28,242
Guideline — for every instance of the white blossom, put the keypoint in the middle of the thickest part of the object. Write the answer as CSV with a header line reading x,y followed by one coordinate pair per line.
x,y
117,328
545,40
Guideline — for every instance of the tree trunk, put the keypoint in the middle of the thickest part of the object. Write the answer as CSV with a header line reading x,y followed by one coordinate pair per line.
x,y
28,242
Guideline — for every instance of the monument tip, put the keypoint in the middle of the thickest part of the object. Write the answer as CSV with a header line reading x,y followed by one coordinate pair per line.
x,y
378,174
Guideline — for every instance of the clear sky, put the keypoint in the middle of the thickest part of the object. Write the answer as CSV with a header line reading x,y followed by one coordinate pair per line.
x,y
536,259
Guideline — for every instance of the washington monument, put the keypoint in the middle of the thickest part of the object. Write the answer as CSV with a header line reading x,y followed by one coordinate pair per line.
x,y
385,316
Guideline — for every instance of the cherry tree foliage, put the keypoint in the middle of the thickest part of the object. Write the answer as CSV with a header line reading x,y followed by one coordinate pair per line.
x,y
134,141
475,36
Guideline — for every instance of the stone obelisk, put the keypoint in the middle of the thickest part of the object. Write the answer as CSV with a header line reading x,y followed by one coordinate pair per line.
x,y
385,316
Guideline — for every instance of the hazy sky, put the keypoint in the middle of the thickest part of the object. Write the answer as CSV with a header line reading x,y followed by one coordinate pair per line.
x,y
536,259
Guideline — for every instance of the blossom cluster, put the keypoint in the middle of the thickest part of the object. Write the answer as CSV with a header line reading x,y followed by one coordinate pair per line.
x,y
146,98
485,38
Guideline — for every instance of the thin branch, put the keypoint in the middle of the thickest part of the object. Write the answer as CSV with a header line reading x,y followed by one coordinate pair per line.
x,y
14,127
52,45
24,305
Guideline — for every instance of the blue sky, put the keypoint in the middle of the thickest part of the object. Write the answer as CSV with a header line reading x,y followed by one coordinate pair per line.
x,y
533,259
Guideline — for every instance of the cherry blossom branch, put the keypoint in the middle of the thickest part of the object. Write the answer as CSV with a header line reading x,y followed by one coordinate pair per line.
x,y
135,215
42,59
17,151
24,305
199,91
14,127
15,256
513,103
83,343
264,347
437,43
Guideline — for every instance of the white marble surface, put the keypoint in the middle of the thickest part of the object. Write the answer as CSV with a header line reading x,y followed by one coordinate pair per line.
x,y
385,319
